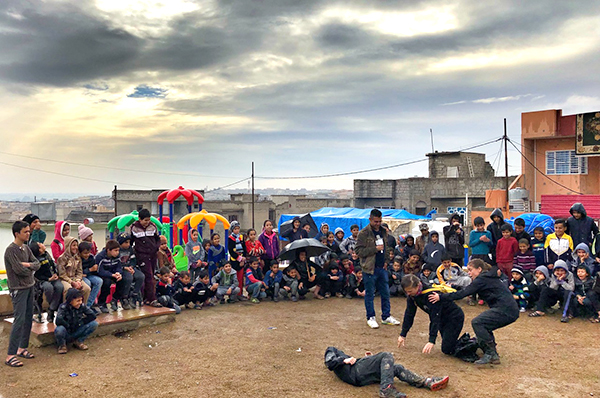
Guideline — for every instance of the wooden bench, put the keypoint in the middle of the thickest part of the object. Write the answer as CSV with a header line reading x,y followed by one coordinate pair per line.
x,y
42,334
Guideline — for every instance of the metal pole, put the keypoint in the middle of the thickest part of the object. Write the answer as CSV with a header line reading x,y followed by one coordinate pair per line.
x,y
506,165
431,134
252,194
115,197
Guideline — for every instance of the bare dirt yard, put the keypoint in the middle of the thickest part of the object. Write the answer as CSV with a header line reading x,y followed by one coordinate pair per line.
x,y
229,351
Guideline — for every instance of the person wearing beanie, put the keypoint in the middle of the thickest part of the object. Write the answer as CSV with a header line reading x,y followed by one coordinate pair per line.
x,y
560,289
480,240
74,322
519,288
35,226
541,280
86,234
423,239
47,275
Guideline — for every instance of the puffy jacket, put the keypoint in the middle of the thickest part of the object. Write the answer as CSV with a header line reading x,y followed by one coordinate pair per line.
x,y
582,230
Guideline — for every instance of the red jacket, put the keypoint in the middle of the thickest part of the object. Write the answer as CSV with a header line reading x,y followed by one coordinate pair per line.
x,y
254,248
506,250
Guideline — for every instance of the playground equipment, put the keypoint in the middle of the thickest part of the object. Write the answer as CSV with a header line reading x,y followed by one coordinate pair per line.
x,y
124,220
171,196
181,261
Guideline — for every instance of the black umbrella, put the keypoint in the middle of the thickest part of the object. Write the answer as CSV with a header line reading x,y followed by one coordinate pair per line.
x,y
305,219
312,247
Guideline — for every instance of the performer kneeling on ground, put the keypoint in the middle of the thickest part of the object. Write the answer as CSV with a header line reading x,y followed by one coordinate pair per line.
x,y
379,368
503,307
444,316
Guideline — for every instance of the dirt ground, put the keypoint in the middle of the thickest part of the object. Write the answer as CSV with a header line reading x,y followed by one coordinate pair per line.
x,y
229,351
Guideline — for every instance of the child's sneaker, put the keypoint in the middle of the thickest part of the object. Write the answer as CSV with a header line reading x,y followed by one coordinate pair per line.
x,y
339,295
390,320
294,298
254,300
114,305
522,309
471,302
190,305
391,392
222,301
276,299
125,304
327,295
104,309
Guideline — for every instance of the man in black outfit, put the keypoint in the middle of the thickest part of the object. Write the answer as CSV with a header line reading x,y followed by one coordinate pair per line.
x,y
379,368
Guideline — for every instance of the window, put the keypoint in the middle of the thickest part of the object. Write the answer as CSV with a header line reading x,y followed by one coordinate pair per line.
x,y
452,172
233,218
565,162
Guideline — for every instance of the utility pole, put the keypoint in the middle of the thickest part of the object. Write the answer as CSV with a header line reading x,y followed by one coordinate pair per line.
x,y
431,134
253,195
506,166
115,199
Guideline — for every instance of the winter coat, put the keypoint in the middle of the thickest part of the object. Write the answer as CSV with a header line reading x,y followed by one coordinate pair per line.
x,y
432,254
348,244
127,257
47,266
194,251
567,284
216,255
228,280
58,244
253,275
73,318
69,266
354,283
363,372
107,266
583,230
235,246
87,264
366,248
271,245
145,240
454,241
589,262
558,248
537,247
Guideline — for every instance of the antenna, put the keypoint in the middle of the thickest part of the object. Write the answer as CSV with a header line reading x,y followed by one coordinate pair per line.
x,y
431,134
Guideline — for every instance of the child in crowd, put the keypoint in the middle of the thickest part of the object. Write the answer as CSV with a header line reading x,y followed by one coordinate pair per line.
x,y
455,240
346,265
323,231
62,229
70,270
273,281
74,322
348,245
332,244
289,283
519,287
324,258
111,271
217,256
582,257
204,291
413,264
395,277
335,282
253,246
451,274
390,260
35,226
47,275
506,248
495,230
129,264
427,275
525,259
480,241
541,280
165,290
560,288
194,251
339,236
165,256
355,260
306,228
520,232
146,241
90,274
537,246
559,245
185,295
433,251
356,285
409,245
585,301
236,248
86,234
227,284
254,280
269,241
424,238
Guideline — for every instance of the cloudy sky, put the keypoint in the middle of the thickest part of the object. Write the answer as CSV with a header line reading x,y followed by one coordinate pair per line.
x,y
192,92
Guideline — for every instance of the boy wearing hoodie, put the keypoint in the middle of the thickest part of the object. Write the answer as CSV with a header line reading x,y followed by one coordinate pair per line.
x,y
129,264
480,240
195,253
111,271
227,284
580,227
409,245
455,240
47,275
519,287
559,245
433,251
541,280
339,236
62,229
74,322
560,288
145,244
347,246
70,270
494,228
582,257
584,299
273,280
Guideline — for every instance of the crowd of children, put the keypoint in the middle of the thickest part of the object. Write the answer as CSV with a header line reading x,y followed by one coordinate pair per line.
x,y
540,271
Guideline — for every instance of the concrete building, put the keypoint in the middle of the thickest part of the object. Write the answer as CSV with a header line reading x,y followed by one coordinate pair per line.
x,y
548,142
452,175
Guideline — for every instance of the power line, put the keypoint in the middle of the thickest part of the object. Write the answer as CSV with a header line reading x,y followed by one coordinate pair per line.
x,y
228,185
74,176
371,170
541,172
114,168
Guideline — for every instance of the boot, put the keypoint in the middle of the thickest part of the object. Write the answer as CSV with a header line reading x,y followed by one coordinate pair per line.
x,y
436,383
490,356
391,392
114,305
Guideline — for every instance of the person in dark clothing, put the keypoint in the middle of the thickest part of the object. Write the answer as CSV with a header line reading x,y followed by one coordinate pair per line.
x,y
47,275
444,317
356,285
334,285
503,307
494,228
110,269
395,278
296,232
204,290
237,252
455,240
307,274
74,322
520,232
184,295
165,290
390,240
580,227
379,368
145,244
584,300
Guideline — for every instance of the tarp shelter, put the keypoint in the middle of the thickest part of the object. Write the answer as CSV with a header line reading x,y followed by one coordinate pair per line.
x,y
533,220
346,216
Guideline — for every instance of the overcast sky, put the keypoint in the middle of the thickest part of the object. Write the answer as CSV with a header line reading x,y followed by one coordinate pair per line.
x,y
194,91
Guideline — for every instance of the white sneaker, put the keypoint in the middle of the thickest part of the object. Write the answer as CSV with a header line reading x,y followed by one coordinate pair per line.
x,y
390,320
372,323
522,309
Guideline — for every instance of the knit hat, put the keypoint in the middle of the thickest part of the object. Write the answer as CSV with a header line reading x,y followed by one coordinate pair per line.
x,y
338,229
423,227
84,232
29,218
233,224
517,270
561,264
543,269
123,237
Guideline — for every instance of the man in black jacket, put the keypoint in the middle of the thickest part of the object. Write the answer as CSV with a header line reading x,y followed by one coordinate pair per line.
x,y
74,321
379,368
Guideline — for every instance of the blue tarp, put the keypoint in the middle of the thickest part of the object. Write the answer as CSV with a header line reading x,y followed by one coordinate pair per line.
x,y
346,216
533,220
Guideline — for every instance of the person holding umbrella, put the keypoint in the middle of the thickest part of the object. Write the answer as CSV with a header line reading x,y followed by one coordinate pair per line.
x,y
296,232
371,248
299,253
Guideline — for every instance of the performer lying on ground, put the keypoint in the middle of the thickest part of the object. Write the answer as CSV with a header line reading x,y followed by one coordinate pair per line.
x,y
379,368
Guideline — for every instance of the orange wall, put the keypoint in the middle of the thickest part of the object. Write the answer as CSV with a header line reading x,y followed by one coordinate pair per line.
x,y
540,124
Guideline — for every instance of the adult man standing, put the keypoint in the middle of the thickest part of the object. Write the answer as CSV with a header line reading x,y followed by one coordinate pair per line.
x,y
371,248
20,264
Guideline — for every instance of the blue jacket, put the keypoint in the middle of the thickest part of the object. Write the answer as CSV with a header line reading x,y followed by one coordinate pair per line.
x,y
537,247
271,280
477,246
108,266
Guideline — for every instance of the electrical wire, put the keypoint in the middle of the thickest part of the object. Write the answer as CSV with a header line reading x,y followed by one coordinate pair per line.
x,y
541,172
228,185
